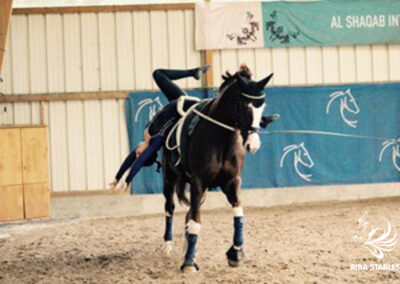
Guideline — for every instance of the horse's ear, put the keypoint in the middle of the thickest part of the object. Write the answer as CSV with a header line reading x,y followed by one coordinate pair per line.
x,y
226,76
242,81
262,83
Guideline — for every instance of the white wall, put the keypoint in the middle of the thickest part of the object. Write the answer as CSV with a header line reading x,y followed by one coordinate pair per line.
x,y
315,65
118,51
90,52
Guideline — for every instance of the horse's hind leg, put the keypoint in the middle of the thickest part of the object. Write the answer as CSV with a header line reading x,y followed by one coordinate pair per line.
x,y
168,190
192,228
235,253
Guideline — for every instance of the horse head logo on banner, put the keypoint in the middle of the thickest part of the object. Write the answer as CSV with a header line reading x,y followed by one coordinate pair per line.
x,y
301,156
347,103
154,106
395,144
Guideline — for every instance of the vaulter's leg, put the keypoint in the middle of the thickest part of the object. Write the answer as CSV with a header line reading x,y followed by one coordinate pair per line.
x,y
235,253
168,190
192,228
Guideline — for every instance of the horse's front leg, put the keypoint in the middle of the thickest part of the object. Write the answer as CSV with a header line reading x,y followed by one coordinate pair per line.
x,y
235,253
168,190
192,228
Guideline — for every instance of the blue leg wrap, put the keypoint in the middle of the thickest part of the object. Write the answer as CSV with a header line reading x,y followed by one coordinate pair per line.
x,y
238,232
168,228
191,247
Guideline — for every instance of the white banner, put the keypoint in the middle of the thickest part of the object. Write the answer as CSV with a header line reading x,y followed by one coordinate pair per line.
x,y
220,25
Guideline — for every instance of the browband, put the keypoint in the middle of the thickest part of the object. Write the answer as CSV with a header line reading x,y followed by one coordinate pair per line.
x,y
253,97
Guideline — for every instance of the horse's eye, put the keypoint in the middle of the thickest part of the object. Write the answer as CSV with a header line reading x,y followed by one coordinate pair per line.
x,y
258,103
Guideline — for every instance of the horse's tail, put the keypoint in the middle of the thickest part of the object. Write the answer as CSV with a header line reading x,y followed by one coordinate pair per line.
x,y
180,189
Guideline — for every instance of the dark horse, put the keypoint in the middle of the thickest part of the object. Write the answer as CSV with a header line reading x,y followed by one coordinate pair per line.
x,y
215,158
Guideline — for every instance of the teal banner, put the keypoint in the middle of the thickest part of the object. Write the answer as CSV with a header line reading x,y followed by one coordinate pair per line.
x,y
331,22
344,134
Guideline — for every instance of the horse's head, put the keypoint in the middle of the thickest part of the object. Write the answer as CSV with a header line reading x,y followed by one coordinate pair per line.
x,y
303,156
246,96
396,156
349,103
252,96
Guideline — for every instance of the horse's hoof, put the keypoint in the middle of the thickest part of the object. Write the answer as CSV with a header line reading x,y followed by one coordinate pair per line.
x,y
189,267
167,248
233,263
235,256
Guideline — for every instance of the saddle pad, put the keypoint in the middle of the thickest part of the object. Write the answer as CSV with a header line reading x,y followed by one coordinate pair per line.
x,y
189,125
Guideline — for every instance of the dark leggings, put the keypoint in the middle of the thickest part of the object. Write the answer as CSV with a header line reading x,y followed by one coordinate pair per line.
x,y
155,144
164,77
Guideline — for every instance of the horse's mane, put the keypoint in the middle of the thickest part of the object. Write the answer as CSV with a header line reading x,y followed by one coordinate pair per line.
x,y
228,78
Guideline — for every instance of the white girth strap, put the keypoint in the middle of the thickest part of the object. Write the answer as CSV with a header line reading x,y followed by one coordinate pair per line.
x,y
181,103
179,124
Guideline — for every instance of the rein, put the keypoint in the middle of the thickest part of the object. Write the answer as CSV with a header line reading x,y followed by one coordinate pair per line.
x,y
223,125
206,117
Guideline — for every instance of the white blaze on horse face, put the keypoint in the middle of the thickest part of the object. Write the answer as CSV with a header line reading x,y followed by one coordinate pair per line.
x,y
257,114
253,142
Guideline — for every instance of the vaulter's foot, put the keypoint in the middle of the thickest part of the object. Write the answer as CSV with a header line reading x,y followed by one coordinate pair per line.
x,y
122,187
112,185
200,71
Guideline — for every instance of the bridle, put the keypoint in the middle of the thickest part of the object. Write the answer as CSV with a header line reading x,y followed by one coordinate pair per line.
x,y
225,126
259,97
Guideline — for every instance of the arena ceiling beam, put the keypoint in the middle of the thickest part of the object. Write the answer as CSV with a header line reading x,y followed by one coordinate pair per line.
x,y
105,8
63,97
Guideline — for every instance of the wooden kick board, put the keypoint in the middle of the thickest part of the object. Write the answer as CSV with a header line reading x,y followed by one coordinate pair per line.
x,y
10,157
11,200
35,155
36,200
